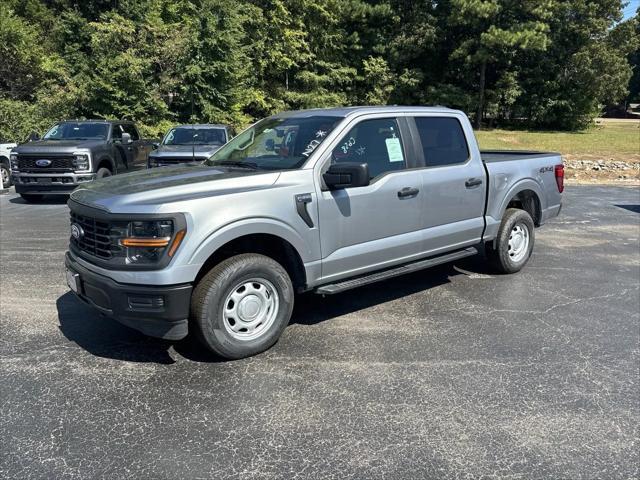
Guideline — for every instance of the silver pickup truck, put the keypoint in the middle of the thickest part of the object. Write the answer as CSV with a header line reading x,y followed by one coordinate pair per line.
x,y
318,200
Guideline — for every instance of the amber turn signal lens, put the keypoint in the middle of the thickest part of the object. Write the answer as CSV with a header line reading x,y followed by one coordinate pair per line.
x,y
176,242
145,242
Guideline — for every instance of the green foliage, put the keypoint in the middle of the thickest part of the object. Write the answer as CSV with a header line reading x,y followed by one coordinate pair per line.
x,y
161,62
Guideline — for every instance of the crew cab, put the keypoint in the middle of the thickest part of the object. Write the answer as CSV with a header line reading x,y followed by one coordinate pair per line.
x,y
73,153
320,200
189,143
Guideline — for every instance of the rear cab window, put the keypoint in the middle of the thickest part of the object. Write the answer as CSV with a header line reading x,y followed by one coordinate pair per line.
x,y
442,141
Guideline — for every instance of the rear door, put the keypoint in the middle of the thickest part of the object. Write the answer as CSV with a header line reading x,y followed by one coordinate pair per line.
x,y
367,228
454,183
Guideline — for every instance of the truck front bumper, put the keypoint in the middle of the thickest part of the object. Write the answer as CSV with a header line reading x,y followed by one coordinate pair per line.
x,y
49,183
157,311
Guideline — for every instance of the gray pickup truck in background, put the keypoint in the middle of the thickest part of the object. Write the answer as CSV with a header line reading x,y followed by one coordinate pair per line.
x,y
189,143
319,200
72,153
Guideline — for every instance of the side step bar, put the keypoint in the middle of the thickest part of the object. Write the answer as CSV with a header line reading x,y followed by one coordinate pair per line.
x,y
332,288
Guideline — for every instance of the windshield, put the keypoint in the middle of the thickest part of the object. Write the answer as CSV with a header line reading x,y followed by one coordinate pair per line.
x,y
78,131
276,143
195,136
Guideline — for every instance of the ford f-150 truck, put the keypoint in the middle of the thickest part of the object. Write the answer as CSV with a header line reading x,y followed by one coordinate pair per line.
x,y
319,200
189,143
75,152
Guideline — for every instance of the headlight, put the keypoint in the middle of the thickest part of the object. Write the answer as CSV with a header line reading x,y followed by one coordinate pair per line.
x,y
148,241
81,161
14,161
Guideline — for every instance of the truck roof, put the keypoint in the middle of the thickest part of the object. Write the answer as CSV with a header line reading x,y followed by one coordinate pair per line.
x,y
349,111
95,120
201,125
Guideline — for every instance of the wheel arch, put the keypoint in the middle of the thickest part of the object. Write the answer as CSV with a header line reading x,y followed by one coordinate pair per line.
x,y
107,162
527,196
268,238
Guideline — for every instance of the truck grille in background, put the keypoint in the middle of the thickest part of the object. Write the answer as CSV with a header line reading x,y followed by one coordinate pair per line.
x,y
27,163
100,238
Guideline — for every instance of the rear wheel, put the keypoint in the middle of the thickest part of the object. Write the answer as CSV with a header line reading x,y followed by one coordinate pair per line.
x,y
514,243
242,306
31,198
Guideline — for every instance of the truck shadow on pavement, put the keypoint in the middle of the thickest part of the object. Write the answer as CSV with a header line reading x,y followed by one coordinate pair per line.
x,y
105,337
47,200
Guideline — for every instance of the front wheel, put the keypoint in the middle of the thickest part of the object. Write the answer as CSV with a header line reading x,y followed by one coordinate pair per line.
x,y
513,246
242,306
102,173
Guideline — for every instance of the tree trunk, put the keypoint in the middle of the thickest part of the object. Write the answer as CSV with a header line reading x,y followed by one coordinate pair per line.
x,y
478,122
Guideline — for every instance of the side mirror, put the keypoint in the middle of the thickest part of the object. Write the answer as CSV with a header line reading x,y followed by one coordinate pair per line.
x,y
33,137
155,145
346,175
126,138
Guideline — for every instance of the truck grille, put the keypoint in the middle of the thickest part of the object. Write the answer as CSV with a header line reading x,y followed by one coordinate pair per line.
x,y
98,237
27,163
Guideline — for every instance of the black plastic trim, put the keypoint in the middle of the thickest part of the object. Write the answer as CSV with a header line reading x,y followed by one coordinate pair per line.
x,y
167,318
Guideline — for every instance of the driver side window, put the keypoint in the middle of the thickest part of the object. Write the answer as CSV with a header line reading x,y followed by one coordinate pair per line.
x,y
376,142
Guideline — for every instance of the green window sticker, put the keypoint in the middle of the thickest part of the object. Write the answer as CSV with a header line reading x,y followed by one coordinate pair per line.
x,y
394,150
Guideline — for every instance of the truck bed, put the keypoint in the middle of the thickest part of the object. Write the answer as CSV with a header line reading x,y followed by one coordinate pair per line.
x,y
491,156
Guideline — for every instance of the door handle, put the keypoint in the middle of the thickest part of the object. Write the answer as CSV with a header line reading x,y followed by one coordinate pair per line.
x,y
473,182
408,192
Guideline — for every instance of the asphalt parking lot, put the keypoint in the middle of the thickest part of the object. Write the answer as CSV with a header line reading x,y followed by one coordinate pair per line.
x,y
448,373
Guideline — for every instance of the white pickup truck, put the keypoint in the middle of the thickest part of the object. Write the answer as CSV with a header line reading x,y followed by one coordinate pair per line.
x,y
5,164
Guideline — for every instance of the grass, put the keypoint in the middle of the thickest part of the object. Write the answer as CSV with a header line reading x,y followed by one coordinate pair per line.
x,y
609,140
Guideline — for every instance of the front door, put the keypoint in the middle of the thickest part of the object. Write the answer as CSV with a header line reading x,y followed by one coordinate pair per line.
x,y
126,154
368,228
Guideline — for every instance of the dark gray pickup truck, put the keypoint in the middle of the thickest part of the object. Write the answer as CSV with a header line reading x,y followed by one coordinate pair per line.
x,y
76,152
189,143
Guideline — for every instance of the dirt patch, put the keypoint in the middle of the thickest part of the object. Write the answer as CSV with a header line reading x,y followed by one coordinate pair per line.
x,y
581,169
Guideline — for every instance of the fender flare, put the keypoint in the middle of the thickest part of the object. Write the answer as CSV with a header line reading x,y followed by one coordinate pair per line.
x,y
521,185
250,226
109,160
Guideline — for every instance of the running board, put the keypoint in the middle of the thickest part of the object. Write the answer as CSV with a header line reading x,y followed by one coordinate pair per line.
x,y
332,288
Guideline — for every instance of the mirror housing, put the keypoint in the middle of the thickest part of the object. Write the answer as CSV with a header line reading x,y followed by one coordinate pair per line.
x,y
33,137
346,175
270,144
155,145
126,138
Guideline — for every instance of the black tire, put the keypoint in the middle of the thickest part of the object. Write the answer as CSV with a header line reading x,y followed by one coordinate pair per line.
x,y
211,293
31,197
103,172
500,257
5,175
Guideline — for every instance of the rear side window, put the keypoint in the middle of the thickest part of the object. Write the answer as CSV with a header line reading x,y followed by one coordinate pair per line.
x,y
443,141
375,142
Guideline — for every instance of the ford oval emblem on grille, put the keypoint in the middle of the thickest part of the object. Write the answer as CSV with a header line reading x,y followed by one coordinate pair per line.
x,y
43,162
76,231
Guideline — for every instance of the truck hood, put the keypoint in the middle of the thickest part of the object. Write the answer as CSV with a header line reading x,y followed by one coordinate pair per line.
x,y
152,189
169,151
58,146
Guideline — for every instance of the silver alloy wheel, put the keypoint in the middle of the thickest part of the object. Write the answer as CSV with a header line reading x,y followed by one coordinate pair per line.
x,y
250,309
518,242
